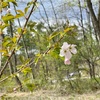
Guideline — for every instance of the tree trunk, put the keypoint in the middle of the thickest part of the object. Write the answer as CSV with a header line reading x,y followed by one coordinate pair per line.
x,y
0,49
99,14
16,77
81,19
95,20
13,60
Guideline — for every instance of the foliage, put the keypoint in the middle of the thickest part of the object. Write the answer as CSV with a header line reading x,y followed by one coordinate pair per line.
x,y
30,53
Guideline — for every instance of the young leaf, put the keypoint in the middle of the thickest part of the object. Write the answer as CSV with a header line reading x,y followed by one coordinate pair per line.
x,y
37,58
19,30
13,1
26,70
14,39
4,4
26,9
7,17
20,14
22,58
3,51
53,35
68,29
3,26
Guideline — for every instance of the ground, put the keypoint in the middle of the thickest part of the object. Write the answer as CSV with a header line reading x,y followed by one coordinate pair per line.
x,y
49,95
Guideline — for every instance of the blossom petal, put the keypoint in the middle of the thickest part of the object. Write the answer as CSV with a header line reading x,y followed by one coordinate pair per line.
x,y
74,50
73,45
65,45
67,61
68,55
62,53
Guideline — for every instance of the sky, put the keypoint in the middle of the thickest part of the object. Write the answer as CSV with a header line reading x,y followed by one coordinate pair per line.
x,y
62,10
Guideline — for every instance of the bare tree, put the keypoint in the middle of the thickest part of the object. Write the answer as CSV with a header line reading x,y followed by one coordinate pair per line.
x,y
95,20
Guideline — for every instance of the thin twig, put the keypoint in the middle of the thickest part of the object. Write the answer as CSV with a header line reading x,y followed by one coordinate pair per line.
x,y
29,64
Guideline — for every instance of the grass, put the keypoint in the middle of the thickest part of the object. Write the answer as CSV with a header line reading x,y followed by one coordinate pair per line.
x,y
49,95
83,89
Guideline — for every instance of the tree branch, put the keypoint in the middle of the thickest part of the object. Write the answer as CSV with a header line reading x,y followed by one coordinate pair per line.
x,y
2,70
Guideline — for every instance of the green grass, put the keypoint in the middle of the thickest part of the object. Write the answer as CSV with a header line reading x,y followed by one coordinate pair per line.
x,y
50,95
82,89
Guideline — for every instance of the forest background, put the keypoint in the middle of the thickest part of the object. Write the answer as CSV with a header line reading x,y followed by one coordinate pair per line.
x,y
31,36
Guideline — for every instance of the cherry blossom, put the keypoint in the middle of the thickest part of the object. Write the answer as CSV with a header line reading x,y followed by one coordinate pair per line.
x,y
66,51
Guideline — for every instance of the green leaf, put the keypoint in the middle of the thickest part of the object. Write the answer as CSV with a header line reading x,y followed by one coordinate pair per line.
x,y
12,1
3,26
31,86
33,30
22,58
19,67
6,43
53,35
26,61
26,9
26,80
68,29
26,70
18,47
7,17
31,24
37,58
55,52
14,39
19,30
20,14
29,3
3,51
4,4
